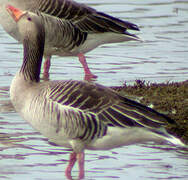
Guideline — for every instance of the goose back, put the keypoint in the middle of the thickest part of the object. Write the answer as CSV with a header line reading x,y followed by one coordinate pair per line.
x,y
83,17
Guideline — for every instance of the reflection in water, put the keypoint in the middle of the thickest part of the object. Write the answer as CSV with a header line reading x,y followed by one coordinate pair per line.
x,y
6,106
5,103
25,154
45,161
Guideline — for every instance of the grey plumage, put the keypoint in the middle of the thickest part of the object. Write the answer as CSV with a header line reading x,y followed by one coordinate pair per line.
x,y
71,28
84,17
78,114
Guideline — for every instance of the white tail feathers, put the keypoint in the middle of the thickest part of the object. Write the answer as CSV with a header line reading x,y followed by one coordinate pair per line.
x,y
162,135
175,141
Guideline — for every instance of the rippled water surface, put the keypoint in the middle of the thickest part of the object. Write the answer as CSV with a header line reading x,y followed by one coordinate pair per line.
x,y
162,57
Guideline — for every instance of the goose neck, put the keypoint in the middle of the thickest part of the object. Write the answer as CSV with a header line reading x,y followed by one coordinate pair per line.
x,y
33,53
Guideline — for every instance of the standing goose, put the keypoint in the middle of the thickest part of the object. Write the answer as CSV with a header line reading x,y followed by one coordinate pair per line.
x,y
85,30
77,114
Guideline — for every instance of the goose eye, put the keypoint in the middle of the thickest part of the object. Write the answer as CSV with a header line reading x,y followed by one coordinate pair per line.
x,y
29,19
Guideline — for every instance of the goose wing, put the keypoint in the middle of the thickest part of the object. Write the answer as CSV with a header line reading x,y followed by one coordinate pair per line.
x,y
70,35
70,103
95,107
84,17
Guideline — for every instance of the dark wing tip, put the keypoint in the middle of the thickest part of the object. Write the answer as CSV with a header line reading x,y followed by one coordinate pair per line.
x,y
149,111
118,22
131,26
135,27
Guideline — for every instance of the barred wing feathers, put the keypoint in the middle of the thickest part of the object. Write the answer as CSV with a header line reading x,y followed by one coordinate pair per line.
x,y
69,34
85,18
96,107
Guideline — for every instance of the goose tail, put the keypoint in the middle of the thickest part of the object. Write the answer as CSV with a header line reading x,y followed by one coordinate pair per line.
x,y
175,141
162,134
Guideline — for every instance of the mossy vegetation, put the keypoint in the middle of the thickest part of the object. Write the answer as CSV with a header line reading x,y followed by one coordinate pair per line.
x,y
169,98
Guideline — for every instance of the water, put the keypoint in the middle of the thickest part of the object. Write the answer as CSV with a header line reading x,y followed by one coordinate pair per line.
x,y
162,57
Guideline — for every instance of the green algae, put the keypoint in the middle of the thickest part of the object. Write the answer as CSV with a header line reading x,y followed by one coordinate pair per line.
x,y
170,98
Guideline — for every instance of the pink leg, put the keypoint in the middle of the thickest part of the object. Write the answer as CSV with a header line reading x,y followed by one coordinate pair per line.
x,y
46,67
88,74
72,161
80,158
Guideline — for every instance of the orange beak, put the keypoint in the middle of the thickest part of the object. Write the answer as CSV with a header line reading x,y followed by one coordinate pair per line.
x,y
14,12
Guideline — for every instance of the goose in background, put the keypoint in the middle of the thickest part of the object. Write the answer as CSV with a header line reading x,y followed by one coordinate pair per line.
x,y
77,114
71,28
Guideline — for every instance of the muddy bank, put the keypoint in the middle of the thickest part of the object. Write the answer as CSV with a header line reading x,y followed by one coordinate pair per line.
x,y
169,98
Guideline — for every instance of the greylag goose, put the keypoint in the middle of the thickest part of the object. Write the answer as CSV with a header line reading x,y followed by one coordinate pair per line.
x,y
77,114
85,30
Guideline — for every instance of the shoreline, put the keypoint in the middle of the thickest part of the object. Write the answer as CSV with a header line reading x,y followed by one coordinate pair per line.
x,y
169,98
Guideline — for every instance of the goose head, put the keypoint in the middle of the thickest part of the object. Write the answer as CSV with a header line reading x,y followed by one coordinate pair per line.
x,y
32,33
29,24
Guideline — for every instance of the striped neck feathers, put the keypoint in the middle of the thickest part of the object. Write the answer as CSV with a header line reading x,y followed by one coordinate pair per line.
x,y
33,53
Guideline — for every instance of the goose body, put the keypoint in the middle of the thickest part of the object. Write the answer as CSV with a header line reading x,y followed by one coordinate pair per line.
x,y
72,29
77,114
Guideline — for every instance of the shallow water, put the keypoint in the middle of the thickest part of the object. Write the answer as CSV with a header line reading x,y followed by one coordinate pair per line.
x,y
161,57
